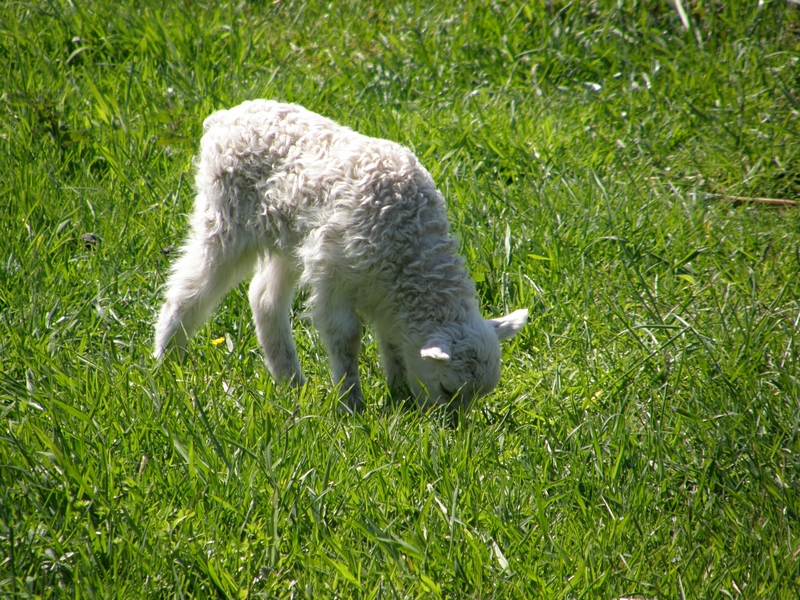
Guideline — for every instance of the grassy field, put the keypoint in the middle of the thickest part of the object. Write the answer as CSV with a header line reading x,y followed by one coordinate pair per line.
x,y
644,441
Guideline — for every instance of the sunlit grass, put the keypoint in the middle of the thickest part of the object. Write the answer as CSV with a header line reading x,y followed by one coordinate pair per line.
x,y
643,441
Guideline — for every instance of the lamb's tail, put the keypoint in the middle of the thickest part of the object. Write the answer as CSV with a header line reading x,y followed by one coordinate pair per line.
x,y
213,119
250,107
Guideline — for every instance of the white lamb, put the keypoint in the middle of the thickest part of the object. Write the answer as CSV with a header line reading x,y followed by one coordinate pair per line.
x,y
358,220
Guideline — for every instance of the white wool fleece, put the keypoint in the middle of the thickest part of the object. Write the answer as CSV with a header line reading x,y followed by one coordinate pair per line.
x,y
298,200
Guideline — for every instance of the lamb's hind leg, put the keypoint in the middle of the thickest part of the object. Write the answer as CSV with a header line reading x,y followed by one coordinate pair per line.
x,y
206,270
271,295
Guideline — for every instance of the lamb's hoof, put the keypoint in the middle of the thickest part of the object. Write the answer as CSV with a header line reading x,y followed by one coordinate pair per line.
x,y
294,381
170,352
350,405
394,403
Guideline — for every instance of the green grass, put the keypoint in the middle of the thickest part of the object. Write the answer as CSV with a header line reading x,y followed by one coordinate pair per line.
x,y
644,441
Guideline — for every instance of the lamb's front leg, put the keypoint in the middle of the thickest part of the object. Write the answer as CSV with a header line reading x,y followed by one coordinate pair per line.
x,y
341,331
395,369
271,295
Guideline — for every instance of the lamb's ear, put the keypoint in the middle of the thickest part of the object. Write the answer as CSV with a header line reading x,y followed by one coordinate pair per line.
x,y
436,349
510,325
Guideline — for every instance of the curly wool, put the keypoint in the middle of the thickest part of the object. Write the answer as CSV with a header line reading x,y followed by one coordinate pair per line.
x,y
357,220
334,198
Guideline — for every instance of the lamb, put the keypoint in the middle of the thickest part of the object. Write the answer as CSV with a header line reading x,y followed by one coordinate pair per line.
x,y
297,199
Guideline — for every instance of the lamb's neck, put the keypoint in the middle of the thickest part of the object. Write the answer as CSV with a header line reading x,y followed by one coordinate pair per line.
x,y
436,290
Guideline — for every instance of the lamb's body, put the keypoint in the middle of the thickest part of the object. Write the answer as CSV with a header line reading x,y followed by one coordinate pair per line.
x,y
356,219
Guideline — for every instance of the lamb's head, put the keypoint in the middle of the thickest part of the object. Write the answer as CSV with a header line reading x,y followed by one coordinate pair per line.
x,y
461,362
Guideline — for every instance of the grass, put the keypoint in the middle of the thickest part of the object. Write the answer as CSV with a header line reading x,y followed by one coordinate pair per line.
x,y
644,440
